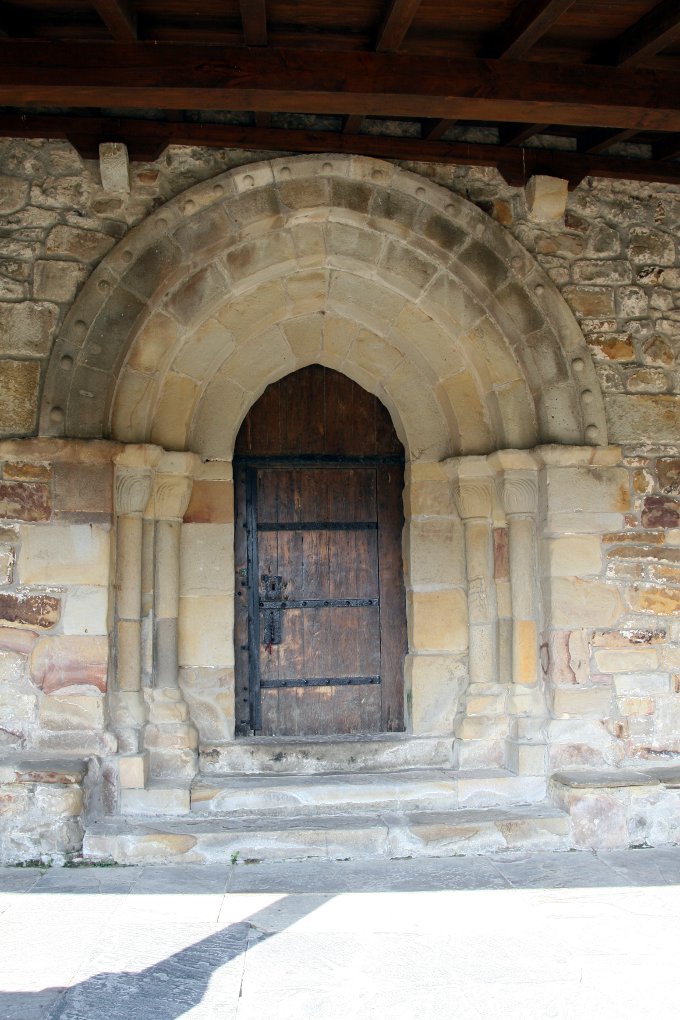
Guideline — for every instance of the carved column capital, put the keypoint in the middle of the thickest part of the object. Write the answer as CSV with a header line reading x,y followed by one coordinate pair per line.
x,y
133,489
473,490
518,491
172,485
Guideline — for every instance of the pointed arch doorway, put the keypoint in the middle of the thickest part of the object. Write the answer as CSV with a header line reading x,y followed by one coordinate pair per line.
x,y
320,622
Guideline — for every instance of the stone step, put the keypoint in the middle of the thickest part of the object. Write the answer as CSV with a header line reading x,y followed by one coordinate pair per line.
x,y
211,840
304,756
408,789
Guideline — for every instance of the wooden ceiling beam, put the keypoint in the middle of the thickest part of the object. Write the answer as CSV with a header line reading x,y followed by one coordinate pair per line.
x,y
649,35
669,148
517,134
147,139
527,23
396,23
119,18
183,77
352,125
254,21
595,140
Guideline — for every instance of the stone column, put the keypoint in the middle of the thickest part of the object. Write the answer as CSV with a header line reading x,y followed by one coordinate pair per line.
x,y
133,485
473,493
170,736
517,483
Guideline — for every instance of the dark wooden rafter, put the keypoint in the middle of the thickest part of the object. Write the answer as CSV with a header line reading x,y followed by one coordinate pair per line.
x,y
516,134
396,23
179,77
352,125
528,22
119,18
596,140
648,36
146,140
667,149
434,129
254,20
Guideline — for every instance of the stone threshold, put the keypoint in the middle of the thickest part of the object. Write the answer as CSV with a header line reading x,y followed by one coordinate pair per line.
x,y
388,835
372,753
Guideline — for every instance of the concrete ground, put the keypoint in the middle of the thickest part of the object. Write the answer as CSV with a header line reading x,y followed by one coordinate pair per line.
x,y
565,935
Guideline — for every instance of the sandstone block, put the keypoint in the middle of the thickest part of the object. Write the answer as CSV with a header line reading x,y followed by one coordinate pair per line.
x,y
57,280
582,701
613,346
641,684
435,553
133,771
436,683
18,384
590,302
25,610
6,564
629,660
575,555
651,246
211,502
83,488
546,198
438,620
85,245
662,601
71,712
13,194
577,603
636,706
173,412
207,559
643,418
589,489
206,625
86,610
64,554
25,501
59,661
160,800
27,327
19,641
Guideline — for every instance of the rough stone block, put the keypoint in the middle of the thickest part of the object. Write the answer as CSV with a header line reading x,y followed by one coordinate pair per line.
x,y
64,554
19,382
546,198
436,683
643,418
25,501
133,771
57,280
27,328
641,684
6,564
582,701
13,194
628,660
59,661
661,601
86,245
71,712
660,512
86,611
438,620
577,603
83,488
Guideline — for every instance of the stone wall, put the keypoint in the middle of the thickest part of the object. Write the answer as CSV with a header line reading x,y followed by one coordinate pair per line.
x,y
55,550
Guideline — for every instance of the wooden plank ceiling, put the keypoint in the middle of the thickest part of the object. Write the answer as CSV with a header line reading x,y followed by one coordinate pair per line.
x,y
565,87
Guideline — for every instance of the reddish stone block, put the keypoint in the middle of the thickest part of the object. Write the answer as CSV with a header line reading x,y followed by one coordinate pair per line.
x,y
660,512
59,662
19,641
25,501
210,503
29,610
500,554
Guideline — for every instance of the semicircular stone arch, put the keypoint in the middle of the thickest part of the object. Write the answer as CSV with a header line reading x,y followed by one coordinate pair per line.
x,y
347,261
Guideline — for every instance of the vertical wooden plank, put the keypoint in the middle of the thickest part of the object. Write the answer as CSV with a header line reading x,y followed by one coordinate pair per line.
x,y
393,642
242,707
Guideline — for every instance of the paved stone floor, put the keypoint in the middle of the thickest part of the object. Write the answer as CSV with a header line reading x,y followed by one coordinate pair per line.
x,y
512,936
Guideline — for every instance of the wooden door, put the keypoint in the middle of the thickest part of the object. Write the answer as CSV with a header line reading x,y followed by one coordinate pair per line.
x,y
320,623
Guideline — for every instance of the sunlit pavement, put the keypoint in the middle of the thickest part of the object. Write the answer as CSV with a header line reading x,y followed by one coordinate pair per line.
x,y
508,936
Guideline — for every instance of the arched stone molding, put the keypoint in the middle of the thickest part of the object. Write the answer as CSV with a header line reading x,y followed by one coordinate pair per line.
x,y
350,261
